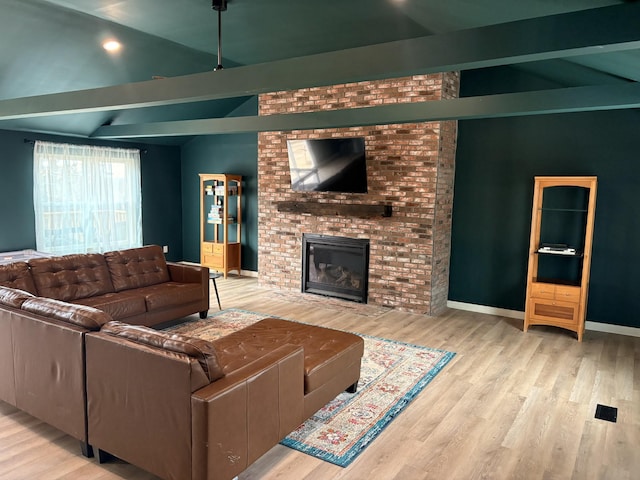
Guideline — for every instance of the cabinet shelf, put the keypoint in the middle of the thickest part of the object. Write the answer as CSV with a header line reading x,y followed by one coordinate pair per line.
x,y
568,210
556,281
557,289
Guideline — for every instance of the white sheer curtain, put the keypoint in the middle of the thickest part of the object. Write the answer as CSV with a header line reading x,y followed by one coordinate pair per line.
x,y
86,198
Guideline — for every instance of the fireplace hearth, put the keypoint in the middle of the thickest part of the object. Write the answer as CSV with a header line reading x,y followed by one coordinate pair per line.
x,y
335,266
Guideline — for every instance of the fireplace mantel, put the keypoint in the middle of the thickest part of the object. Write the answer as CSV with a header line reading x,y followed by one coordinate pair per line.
x,y
330,209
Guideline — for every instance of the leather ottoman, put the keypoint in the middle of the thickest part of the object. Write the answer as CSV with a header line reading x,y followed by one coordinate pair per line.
x,y
331,357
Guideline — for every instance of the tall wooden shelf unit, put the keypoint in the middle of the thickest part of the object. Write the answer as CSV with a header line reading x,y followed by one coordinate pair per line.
x,y
558,276
220,222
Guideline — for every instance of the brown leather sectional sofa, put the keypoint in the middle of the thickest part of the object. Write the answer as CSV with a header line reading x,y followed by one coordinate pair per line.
x,y
42,361
135,285
176,406
198,410
47,305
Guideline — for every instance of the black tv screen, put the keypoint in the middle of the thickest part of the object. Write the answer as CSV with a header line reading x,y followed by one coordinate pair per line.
x,y
328,165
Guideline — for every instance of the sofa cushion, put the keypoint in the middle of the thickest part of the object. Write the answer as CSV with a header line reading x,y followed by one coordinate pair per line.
x,y
13,297
137,267
81,315
170,294
326,351
201,350
17,275
119,306
70,277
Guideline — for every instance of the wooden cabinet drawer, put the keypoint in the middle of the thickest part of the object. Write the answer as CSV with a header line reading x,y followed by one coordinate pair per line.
x,y
213,247
215,261
543,290
555,312
567,293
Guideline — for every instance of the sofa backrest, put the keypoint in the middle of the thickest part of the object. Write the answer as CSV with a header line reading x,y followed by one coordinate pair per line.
x,y
81,315
137,267
17,275
70,277
13,297
196,348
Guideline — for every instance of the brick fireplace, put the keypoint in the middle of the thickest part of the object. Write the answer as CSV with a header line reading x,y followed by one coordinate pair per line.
x,y
409,167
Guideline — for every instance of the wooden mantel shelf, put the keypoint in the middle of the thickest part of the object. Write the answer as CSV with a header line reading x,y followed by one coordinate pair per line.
x,y
326,209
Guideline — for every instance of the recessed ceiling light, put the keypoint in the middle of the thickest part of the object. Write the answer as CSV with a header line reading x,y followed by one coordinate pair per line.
x,y
111,45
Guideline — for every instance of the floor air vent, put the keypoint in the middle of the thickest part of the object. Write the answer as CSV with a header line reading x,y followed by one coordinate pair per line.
x,y
610,414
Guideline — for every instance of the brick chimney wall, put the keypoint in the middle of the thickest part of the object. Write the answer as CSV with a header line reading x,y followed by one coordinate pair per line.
x,y
409,166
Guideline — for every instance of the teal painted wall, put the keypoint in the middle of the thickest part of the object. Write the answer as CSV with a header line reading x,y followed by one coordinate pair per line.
x,y
161,191
495,165
17,221
233,154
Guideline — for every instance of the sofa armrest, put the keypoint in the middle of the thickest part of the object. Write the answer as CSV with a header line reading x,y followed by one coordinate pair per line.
x,y
238,418
183,273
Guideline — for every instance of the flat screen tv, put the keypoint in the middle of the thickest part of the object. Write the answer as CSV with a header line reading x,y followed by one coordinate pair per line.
x,y
328,165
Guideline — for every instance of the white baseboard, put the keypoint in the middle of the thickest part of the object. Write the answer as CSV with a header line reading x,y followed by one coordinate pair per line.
x,y
472,307
502,312
609,328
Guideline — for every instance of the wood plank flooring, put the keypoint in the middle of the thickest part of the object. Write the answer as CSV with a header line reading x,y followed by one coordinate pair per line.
x,y
509,406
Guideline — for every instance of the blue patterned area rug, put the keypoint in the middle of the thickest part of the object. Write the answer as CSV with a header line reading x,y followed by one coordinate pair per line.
x,y
392,374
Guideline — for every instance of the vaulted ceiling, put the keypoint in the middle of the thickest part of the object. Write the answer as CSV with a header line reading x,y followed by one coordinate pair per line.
x,y
162,83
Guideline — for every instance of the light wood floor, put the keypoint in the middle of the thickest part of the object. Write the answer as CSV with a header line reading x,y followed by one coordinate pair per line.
x,y
509,406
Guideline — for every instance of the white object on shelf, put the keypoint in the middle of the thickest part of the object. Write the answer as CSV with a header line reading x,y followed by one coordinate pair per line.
x,y
557,251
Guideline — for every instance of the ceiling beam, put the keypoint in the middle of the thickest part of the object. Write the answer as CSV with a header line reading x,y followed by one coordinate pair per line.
x,y
597,30
562,100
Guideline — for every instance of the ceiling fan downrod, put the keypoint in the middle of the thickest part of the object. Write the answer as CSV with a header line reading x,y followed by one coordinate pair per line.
x,y
220,6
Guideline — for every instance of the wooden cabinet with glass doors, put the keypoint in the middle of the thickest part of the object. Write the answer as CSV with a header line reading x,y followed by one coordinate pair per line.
x,y
220,222
560,252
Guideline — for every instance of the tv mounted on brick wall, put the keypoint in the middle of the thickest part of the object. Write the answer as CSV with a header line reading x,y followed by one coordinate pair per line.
x,y
328,165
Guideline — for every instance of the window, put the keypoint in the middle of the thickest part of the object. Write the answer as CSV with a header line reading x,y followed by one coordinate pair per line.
x,y
86,198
